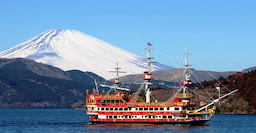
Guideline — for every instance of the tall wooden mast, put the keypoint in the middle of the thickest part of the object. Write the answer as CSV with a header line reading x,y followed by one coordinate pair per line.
x,y
147,75
186,82
116,82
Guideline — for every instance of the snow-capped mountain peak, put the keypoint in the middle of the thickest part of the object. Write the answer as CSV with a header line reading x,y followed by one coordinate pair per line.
x,y
70,49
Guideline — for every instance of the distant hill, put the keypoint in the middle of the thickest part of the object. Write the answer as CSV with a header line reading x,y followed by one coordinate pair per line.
x,y
177,75
25,83
249,69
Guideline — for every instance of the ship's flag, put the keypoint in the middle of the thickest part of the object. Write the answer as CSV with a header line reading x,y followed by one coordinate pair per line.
x,y
149,44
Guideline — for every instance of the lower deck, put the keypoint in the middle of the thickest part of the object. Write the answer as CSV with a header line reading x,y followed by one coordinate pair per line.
x,y
150,119
147,121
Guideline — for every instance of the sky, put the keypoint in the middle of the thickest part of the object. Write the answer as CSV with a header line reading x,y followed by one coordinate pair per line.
x,y
220,35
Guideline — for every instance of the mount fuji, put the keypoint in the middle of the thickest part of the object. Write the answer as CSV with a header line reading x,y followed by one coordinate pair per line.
x,y
70,49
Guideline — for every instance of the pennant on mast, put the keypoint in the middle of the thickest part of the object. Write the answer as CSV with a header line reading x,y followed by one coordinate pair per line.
x,y
149,44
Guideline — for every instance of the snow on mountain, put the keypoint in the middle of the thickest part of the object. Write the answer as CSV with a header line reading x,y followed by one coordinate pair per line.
x,y
71,49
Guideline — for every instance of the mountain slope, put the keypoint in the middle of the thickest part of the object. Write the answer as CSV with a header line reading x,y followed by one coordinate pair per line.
x,y
249,69
71,49
243,101
24,89
25,83
177,75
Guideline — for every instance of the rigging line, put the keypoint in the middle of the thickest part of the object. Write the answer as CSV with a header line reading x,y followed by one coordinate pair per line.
x,y
203,97
219,81
212,76
176,76
201,84
136,95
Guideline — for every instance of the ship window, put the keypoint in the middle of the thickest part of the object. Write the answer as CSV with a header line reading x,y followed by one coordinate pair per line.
x,y
145,108
127,116
125,109
150,108
115,117
156,109
110,116
161,108
164,117
176,108
177,116
111,109
112,101
107,109
107,117
121,109
151,116
116,109
140,108
117,101
169,116
108,101
102,101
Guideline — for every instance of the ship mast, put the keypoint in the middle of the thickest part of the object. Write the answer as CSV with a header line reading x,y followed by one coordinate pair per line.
x,y
147,75
116,82
187,75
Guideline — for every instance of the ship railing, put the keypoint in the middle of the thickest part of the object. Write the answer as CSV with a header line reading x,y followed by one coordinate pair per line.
x,y
153,104
110,96
186,95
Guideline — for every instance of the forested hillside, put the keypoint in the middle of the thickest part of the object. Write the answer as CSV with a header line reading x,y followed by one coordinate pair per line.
x,y
27,84
243,101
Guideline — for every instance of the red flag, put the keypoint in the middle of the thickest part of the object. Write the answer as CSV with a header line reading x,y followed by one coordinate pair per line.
x,y
149,44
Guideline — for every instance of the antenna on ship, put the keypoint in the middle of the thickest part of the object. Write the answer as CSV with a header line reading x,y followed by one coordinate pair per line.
x,y
116,82
147,74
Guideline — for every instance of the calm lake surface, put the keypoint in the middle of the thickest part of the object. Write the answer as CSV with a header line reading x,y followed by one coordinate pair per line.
x,y
76,121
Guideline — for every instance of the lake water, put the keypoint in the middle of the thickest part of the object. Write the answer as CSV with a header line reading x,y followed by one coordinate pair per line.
x,y
76,121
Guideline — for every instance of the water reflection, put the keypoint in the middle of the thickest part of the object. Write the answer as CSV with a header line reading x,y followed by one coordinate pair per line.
x,y
145,127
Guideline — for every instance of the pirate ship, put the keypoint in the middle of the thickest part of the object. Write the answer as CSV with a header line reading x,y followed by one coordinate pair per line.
x,y
125,107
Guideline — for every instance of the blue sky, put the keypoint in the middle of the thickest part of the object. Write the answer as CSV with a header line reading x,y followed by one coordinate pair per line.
x,y
220,34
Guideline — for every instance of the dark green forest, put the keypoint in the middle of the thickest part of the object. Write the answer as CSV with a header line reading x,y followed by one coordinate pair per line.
x,y
20,87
